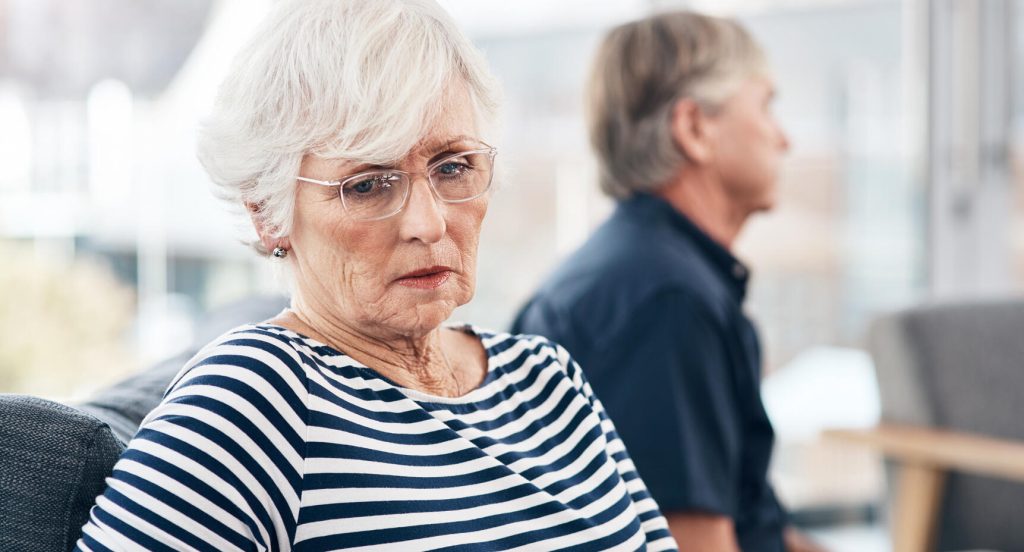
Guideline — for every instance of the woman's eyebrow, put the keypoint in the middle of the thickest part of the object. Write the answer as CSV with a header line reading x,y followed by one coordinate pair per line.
x,y
429,149
448,143
341,173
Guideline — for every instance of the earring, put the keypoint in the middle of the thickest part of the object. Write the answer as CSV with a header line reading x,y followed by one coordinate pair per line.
x,y
280,252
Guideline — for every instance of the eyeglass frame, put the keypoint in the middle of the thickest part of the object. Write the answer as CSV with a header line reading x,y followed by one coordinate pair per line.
x,y
489,150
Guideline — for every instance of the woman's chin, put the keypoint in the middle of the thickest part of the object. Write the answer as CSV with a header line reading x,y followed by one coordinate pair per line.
x,y
419,319
414,312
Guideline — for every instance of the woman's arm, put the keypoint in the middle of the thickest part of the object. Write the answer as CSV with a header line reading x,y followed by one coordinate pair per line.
x,y
654,524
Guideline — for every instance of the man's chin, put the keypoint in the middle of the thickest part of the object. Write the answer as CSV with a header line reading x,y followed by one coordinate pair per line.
x,y
768,202
761,207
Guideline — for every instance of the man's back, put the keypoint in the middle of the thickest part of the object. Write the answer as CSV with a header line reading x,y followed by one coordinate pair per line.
x,y
651,308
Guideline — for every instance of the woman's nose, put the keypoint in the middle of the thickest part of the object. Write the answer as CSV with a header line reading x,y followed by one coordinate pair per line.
x,y
423,216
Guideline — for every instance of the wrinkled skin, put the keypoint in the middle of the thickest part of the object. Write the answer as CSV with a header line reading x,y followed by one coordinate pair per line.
x,y
749,145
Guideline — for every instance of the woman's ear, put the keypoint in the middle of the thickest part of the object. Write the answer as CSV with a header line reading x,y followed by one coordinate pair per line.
x,y
267,240
690,130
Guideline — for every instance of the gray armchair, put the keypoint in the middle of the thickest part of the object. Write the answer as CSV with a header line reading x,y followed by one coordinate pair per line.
x,y
54,458
951,379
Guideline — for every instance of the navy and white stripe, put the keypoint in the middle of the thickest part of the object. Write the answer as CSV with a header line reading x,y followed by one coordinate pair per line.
x,y
268,440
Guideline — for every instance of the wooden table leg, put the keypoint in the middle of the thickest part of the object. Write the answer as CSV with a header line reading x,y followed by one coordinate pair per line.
x,y
916,510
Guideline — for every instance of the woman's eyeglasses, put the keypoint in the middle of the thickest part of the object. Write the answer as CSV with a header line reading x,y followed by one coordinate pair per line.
x,y
381,193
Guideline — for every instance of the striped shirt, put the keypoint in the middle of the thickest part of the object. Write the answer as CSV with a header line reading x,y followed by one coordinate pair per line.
x,y
268,440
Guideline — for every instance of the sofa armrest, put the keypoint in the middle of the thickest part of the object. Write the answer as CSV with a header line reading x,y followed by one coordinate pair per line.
x,y
53,462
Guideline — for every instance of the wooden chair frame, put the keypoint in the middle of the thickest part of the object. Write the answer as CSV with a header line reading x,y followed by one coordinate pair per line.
x,y
924,456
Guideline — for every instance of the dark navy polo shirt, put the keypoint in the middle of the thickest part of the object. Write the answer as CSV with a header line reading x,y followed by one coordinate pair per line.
x,y
651,308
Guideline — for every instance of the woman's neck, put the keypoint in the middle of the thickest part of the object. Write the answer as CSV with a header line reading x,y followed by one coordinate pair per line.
x,y
421,362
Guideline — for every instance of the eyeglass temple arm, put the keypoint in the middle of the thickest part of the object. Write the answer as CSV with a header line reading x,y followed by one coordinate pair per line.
x,y
314,181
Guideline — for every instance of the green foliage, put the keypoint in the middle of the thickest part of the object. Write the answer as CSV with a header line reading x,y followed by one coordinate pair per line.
x,y
62,324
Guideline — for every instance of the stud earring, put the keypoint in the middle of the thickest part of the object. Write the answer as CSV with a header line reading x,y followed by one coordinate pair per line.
x,y
280,252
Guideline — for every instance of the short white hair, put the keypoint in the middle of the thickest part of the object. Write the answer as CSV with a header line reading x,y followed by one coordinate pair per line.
x,y
344,79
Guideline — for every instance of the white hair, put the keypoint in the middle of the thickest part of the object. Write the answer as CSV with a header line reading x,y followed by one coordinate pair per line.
x,y
343,79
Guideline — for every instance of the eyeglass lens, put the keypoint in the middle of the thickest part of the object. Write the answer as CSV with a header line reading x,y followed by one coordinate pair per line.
x,y
379,194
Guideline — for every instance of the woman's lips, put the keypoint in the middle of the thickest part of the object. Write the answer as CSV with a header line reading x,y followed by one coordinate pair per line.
x,y
425,279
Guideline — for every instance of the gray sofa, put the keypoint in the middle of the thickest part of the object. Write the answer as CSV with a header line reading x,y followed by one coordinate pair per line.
x,y
54,458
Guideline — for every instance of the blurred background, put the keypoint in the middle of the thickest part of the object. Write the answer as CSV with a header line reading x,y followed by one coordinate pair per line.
x,y
903,186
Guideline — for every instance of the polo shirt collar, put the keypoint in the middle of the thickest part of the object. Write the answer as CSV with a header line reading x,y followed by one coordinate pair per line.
x,y
661,213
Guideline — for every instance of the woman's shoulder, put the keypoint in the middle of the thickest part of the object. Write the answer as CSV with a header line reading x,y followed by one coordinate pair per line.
x,y
251,352
517,350
497,342
251,380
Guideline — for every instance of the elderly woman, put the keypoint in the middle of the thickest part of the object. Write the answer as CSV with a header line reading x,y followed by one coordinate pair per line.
x,y
353,134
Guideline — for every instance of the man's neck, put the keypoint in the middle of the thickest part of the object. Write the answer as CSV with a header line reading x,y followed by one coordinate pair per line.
x,y
700,198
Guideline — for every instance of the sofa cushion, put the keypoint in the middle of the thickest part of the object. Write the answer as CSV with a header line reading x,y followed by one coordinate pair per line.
x,y
53,461
123,406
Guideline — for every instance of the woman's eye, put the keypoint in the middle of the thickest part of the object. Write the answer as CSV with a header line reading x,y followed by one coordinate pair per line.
x,y
363,186
370,184
454,168
450,168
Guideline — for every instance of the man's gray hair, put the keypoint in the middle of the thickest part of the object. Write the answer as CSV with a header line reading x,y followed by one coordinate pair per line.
x,y
344,79
641,71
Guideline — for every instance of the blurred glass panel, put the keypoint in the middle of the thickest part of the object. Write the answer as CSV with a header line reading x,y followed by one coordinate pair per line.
x,y
847,240
1017,146
99,102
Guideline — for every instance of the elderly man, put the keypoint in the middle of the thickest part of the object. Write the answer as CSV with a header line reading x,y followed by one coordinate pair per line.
x,y
652,305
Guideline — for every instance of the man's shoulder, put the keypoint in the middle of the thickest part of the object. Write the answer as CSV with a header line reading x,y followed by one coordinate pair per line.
x,y
623,264
581,308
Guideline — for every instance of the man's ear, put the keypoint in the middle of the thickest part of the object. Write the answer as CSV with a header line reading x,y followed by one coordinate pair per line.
x,y
267,240
690,131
